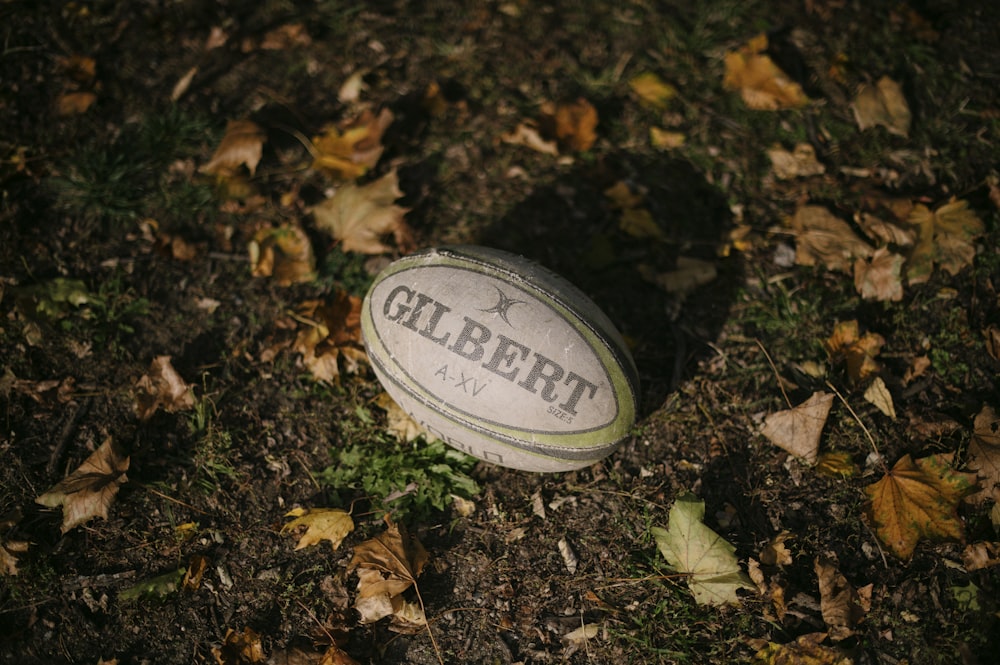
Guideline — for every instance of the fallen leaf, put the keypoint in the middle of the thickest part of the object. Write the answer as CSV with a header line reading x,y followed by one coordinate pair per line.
x,y
797,430
408,619
805,650
283,253
75,103
977,556
89,491
195,572
528,134
239,648
693,549
801,162
241,145
878,395
992,338
361,217
775,553
842,606
348,150
9,549
651,90
824,239
568,555
689,274
329,340
157,587
882,104
880,277
350,90
918,499
577,639
387,565
760,82
945,237
984,454
574,123
663,139
885,232
916,369
321,524
161,387
836,464
286,36
398,422
856,350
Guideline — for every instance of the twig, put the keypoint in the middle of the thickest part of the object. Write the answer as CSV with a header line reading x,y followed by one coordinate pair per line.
x,y
777,376
871,439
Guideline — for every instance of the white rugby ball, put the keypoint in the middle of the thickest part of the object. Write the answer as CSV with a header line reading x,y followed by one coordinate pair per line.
x,y
500,358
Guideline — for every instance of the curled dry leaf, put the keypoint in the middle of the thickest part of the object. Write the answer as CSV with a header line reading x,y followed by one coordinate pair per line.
x,y
760,82
984,454
842,606
945,237
162,388
399,423
882,104
239,648
330,337
878,395
822,238
880,277
348,150
9,549
801,162
981,555
776,553
321,524
89,491
918,499
241,145
797,430
361,217
387,565
283,253
858,351
529,135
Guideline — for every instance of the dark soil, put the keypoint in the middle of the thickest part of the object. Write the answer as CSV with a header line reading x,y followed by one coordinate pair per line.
x,y
91,196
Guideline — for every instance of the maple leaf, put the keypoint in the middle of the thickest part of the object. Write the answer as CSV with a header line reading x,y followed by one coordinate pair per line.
x,y
284,253
162,387
880,277
692,548
841,604
387,565
805,649
348,150
882,104
984,454
857,350
918,499
945,237
798,429
822,238
241,145
360,217
88,492
331,336
760,82
330,524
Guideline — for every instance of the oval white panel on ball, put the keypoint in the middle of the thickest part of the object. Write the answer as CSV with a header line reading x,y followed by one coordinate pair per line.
x,y
500,358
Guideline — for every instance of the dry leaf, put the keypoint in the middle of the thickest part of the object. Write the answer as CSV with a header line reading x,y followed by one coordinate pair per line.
x,y
878,395
775,553
9,549
840,603
568,556
75,103
856,350
399,423
984,454
321,524
801,162
945,237
977,556
836,464
574,123
885,232
408,619
88,492
347,151
529,135
286,36
824,239
162,387
992,338
361,217
387,565
662,139
882,104
880,277
283,253
651,90
692,548
350,90
330,339
918,499
689,274
239,648
798,430
194,573
760,82
805,650
241,145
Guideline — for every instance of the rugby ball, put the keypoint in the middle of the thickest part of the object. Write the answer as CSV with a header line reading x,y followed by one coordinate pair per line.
x,y
500,358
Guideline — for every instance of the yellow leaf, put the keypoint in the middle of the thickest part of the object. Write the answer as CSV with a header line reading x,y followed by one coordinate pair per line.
x,y
798,430
692,548
347,151
918,499
984,453
837,464
575,124
241,145
945,237
283,253
652,90
321,524
805,650
663,139
882,104
361,217
88,492
858,351
760,82
239,648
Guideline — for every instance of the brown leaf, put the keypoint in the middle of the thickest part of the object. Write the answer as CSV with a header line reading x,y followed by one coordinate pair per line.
x,y
798,430
399,423
800,163
529,135
89,491
841,605
885,232
162,387
651,90
361,217
992,335
239,648
9,549
776,553
75,103
241,145
348,150
977,556
321,524
858,351
284,253
880,277
945,237
824,239
918,499
387,565
984,454
574,123
760,82
330,336
878,395
882,104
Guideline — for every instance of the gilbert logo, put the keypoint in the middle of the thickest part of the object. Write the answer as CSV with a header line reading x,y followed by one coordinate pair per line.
x,y
504,357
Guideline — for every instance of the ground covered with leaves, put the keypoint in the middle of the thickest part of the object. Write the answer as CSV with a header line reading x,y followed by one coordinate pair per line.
x,y
789,210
